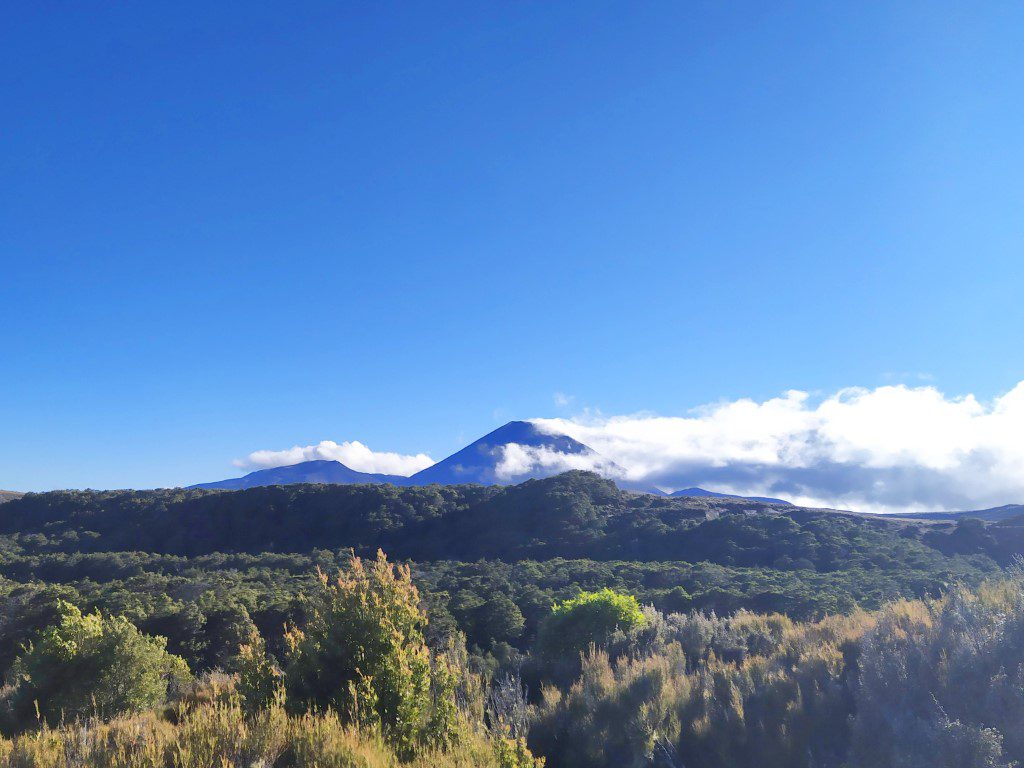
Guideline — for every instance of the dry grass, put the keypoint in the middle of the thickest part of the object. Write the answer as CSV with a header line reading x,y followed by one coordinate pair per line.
x,y
217,734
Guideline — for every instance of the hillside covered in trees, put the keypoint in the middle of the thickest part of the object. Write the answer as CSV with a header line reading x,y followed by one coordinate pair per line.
x,y
574,515
191,565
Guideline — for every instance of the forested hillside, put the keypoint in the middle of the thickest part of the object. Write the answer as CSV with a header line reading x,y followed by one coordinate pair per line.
x,y
574,515
198,566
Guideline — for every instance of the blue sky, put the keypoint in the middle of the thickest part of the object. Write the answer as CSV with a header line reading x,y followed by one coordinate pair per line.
x,y
244,227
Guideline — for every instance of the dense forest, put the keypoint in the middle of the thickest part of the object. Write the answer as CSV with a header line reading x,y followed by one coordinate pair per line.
x,y
589,611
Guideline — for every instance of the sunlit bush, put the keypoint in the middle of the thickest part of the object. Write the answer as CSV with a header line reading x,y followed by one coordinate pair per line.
x,y
361,653
90,664
589,619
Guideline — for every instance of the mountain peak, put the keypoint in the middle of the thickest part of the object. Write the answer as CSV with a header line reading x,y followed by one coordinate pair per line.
x,y
513,452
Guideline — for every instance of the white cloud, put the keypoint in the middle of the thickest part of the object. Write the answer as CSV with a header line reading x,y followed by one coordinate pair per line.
x,y
353,455
562,400
885,449
893,448
520,461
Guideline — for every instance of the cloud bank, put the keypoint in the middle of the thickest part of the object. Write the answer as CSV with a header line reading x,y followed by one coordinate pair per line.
x,y
353,455
517,462
893,448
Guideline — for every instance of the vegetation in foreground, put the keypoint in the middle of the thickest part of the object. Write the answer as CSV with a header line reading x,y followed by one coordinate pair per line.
x,y
801,638
223,735
359,687
935,683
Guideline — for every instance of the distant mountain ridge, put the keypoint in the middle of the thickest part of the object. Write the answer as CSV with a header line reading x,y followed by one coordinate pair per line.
x,y
992,514
10,496
319,471
513,453
701,492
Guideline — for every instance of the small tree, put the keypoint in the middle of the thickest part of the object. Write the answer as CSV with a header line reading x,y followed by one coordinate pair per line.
x,y
362,653
259,678
91,664
499,619
589,619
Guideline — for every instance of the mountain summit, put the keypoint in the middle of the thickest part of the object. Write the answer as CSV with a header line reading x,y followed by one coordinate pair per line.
x,y
513,453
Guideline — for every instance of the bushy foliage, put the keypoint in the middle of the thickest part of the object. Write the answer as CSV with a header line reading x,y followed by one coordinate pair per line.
x,y
361,652
90,664
655,705
759,655
917,685
260,680
588,619
942,683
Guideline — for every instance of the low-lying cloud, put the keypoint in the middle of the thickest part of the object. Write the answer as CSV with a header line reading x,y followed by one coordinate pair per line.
x,y
518,461
353,455
893,448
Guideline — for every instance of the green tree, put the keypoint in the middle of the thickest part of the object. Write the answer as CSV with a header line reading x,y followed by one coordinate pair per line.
x,y
499,620
361,652
91,664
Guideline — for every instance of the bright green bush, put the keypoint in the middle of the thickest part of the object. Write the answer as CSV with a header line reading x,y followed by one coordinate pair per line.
x,y
589,619
91,664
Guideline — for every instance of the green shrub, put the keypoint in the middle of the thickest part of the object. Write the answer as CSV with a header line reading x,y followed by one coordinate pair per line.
x,y
361,653
259,678
91,665
589,619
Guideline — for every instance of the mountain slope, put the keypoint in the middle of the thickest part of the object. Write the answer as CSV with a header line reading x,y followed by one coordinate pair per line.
x,y
9,496
512,453
304,472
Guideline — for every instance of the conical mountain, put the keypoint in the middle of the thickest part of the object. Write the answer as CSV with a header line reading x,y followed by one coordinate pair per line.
x,y
510,454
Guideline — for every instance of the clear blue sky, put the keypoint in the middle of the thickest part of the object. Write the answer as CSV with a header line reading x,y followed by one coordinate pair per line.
x,y
259,225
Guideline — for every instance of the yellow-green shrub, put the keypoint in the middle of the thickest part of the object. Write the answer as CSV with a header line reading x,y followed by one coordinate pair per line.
x,y
361,653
